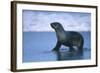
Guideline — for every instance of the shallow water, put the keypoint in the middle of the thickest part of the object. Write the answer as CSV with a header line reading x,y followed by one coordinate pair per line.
x,y
37,47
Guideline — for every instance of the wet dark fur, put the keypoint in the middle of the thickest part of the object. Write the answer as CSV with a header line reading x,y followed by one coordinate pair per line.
x,y
67,38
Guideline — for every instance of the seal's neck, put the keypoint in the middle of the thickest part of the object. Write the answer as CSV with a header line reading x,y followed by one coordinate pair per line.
x,y
61,33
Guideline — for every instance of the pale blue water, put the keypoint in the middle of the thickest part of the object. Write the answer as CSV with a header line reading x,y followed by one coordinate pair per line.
x,y
37,47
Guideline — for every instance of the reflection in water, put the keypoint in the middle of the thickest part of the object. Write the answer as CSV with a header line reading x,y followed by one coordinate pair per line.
x,y
63,55
60,55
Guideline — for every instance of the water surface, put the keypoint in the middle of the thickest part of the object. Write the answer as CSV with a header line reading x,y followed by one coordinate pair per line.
x,y
37,47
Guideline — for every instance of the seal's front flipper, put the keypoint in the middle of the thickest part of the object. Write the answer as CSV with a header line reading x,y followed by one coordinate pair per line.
x,y
58,45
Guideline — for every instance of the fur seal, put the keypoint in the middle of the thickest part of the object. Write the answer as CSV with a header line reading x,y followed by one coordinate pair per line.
x,y
67,38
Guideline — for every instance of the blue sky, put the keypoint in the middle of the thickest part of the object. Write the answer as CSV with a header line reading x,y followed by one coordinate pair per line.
x,y
40,20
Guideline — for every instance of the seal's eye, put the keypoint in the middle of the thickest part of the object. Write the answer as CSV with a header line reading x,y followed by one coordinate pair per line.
x,y
55,24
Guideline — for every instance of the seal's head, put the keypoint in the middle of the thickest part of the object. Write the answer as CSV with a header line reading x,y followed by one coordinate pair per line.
x,y
56,25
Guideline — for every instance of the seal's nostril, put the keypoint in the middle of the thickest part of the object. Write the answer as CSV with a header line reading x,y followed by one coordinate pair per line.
x,y
51,24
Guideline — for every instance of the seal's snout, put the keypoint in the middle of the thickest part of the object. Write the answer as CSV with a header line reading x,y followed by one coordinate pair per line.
x,y
52,25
